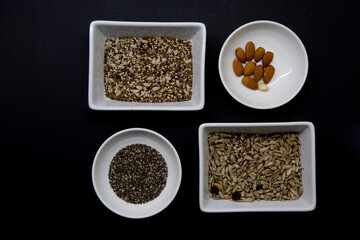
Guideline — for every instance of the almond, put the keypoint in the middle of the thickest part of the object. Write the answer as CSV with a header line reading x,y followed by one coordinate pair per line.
x,y
258,73
249,82
249,68
268,57
262,86
268,73
249,50
259,53
240,54
238,67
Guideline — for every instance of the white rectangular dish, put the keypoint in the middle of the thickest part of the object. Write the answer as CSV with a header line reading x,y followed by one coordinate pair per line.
x,y
100,30
307,200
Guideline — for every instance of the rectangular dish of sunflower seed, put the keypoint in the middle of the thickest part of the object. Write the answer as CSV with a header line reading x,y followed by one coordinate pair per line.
x,y
257,167
247,167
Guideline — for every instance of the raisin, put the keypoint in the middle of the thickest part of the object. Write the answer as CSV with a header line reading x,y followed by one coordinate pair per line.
x,y
214,190
236,195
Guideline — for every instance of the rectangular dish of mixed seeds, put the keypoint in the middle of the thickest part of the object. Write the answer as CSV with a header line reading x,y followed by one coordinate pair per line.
x,y
148,69
147,66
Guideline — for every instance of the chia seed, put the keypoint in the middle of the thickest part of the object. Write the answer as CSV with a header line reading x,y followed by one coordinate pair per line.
x,y
138,173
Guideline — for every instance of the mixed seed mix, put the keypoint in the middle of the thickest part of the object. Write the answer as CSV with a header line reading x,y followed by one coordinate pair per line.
x,y
148,69
248,167
138,173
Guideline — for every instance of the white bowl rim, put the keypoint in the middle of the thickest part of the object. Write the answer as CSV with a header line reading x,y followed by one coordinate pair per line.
x,y
262,22
150,24
96,160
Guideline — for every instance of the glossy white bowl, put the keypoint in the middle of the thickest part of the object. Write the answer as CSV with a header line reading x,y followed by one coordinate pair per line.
x,y
290,62
108,150
307,200
100,30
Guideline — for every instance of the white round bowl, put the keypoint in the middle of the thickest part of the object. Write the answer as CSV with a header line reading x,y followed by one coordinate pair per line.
x,y
108,150
290,62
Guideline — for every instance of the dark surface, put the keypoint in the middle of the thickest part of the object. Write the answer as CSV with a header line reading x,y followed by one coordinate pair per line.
x,y
49,136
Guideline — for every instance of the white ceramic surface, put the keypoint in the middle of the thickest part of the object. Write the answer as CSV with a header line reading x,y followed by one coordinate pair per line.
x,y
307,200
108,150
290,62
100,30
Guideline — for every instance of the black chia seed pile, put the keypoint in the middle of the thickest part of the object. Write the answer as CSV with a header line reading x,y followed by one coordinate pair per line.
x,y
138,173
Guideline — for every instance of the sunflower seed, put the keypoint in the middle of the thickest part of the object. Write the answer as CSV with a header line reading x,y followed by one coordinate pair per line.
x,y
155,88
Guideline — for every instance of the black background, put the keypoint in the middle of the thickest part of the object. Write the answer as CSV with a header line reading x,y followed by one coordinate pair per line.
x,y
49,136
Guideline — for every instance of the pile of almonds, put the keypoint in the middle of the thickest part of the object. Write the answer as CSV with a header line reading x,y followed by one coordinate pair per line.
x,y
264,70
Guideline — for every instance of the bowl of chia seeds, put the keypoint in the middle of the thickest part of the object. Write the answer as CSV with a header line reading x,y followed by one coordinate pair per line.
x,y
136,173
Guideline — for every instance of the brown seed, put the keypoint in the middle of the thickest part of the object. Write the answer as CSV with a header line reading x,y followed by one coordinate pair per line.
x,y
268,73
238,67
268,57
249,50
258,73
249,82
249,68
259,53
240,54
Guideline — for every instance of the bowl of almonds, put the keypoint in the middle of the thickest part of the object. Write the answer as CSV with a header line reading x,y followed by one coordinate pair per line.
x,y
263,64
